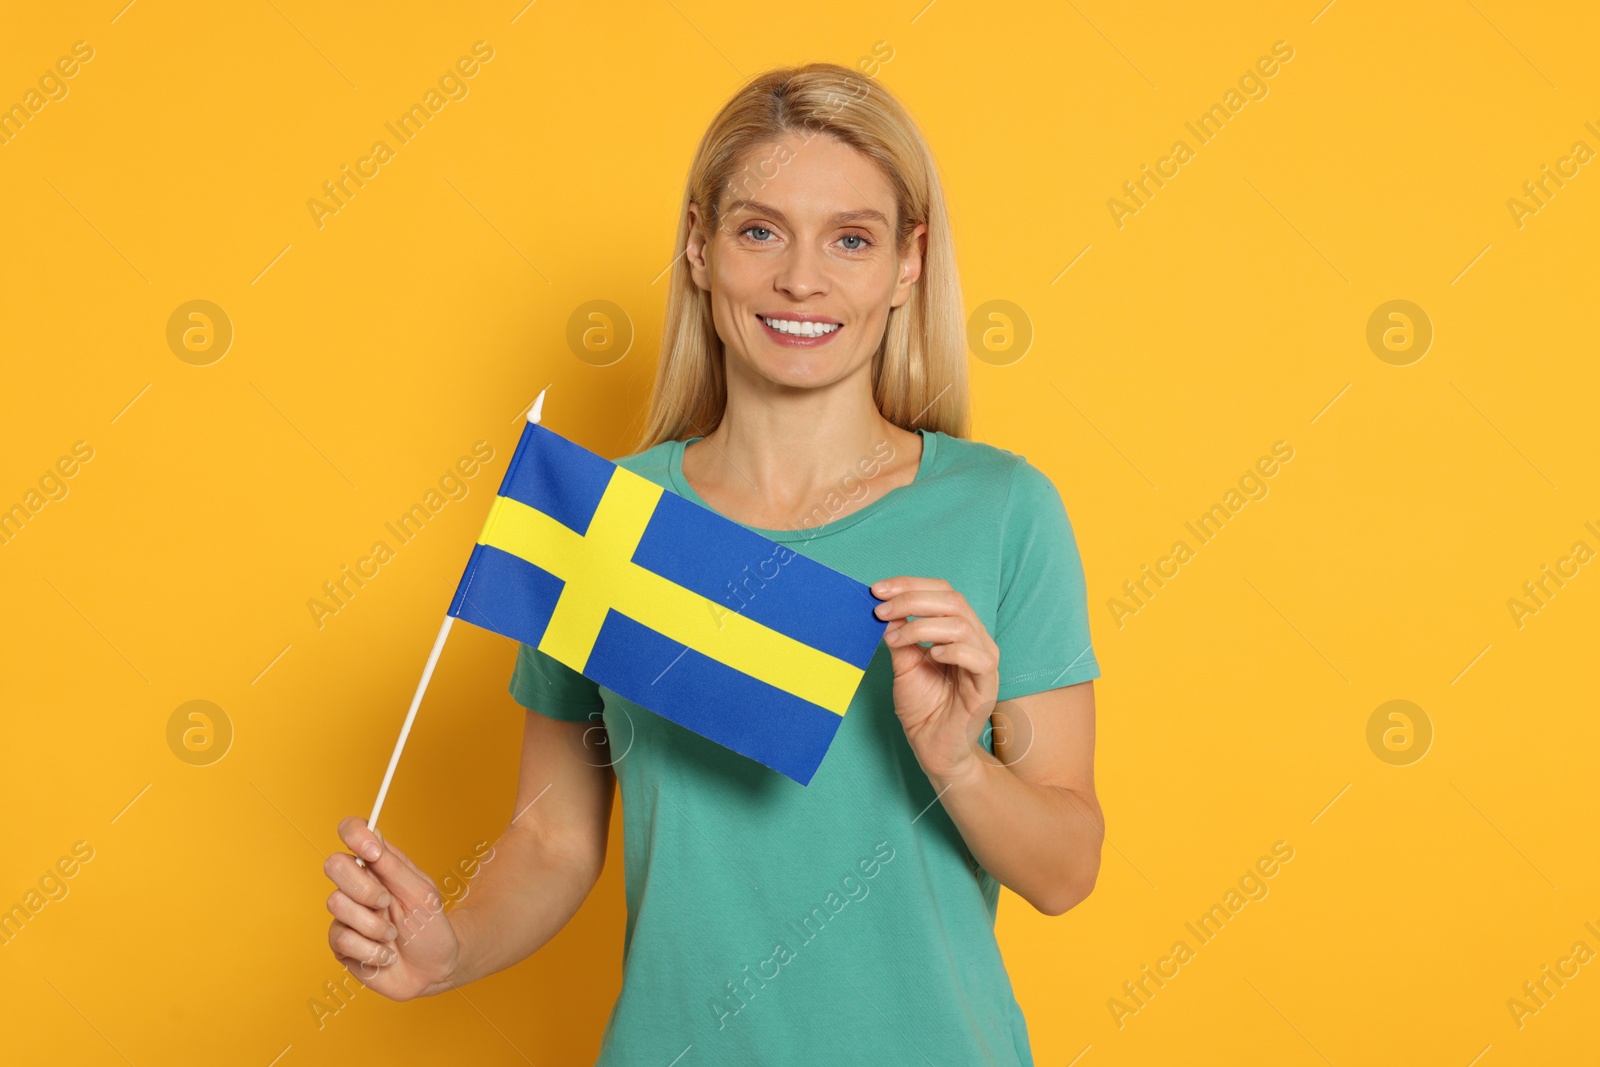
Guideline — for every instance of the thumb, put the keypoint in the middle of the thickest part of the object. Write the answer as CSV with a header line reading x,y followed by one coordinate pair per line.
x,y
392,850
906,658
417,905
403,878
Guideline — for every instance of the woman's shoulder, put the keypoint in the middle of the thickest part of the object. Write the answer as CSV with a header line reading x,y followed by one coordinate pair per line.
x,y
1007,472
1025,500
969,452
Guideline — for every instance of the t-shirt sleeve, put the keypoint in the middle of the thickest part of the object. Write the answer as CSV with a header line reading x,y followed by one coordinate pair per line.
x,y
548,686
1042,621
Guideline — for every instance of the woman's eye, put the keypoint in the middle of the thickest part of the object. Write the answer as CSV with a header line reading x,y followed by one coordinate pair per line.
x,y
856,237
750,229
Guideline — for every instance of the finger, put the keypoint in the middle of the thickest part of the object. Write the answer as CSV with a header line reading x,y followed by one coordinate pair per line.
x,y
364,972
390,846
928,602
410,886
902,582
359,883
359,839
346,941
925,602
967,656
941,629
364,921
951,643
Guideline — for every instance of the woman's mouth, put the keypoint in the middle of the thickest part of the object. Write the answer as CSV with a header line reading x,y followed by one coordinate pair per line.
x,y
798,333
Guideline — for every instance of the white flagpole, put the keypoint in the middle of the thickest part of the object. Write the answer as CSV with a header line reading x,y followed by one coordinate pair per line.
x,y
422,686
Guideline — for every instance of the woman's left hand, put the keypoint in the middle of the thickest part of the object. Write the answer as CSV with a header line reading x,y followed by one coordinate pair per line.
x,y
943,694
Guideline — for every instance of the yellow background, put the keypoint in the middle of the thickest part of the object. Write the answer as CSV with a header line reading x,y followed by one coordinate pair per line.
x,y
1227,314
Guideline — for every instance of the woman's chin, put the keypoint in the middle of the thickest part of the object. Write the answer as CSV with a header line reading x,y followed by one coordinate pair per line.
x,y
794,368
801,377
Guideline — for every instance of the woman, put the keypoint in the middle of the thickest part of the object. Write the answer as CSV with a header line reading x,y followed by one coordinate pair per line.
x,y
812,387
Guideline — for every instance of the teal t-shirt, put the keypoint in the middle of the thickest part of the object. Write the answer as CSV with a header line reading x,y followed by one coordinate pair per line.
x,y
844,921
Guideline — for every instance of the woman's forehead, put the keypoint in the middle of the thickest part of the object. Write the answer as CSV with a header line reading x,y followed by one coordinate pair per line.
x,y
824,179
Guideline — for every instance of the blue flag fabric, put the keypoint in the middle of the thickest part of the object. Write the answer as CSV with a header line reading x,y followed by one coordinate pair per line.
x,y
669,604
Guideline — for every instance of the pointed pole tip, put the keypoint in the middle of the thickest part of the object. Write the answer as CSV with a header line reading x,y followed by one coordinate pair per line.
x,y
538,405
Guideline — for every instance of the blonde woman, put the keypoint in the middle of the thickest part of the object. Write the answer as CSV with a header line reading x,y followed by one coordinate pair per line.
x,y
811,386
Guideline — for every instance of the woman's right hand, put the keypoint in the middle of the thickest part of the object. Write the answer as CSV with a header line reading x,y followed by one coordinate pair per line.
x,y
389,925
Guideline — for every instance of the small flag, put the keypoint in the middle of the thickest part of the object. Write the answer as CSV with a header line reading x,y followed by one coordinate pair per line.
x,y
678,609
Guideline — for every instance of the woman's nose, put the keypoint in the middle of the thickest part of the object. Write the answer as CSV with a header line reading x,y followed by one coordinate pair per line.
x,y
802,272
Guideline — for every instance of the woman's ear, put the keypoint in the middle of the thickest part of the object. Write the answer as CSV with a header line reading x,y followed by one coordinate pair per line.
x,y
694,252
910,265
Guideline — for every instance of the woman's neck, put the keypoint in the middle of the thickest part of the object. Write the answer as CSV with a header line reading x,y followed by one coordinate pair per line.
x,y
780,465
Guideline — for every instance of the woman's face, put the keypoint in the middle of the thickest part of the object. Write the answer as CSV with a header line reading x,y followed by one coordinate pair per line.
x,y
803,269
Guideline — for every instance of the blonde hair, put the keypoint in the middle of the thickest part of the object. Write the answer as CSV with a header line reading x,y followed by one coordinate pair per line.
x,y
919,373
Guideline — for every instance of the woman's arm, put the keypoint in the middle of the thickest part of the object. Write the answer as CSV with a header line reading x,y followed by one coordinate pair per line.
x,y
552,851
390,927
1028,813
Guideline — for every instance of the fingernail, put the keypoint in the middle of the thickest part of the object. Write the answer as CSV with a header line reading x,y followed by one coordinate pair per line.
x,y
393,933
371,851
384,901
880,609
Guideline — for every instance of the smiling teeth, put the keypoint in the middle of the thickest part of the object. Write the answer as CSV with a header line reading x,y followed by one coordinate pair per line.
x,y
801,329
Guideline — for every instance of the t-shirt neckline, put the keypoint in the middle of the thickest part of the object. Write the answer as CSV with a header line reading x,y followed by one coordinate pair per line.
x,y
930,441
